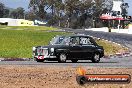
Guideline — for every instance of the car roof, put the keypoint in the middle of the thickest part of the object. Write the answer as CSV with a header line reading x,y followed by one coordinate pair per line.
x,y
78,35
74,35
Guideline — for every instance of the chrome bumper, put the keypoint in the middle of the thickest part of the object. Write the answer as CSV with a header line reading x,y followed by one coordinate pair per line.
x,y
46,57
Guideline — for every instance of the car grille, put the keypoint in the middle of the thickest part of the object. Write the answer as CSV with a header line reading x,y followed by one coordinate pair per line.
x,y
42,51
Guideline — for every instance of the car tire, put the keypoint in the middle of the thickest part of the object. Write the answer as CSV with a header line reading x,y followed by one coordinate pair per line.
x,y
96,58
74,61
62,58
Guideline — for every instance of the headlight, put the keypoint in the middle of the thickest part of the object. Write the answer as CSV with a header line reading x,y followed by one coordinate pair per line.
x,y
34,48
52,49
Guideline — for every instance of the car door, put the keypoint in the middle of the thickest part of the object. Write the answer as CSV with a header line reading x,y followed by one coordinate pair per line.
x,y
88,47
75,48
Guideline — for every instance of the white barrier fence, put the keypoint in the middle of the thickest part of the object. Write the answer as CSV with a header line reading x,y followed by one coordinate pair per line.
x,y
105,29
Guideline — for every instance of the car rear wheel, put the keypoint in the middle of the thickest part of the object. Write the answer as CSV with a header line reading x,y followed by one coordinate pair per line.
x,y
74,61
62,58
96,58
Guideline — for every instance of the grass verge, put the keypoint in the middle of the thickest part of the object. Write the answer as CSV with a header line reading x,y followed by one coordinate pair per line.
x,y
19,43
111,48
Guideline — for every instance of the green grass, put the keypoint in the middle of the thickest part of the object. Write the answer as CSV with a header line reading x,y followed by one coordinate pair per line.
x,y
19,43
111,48
27,28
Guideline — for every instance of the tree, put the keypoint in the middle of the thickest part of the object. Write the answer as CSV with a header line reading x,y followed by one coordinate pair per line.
x,y
30,15
41,7
37,6
56,7
2,7
6,13
78,11
71,11
13,14
20,12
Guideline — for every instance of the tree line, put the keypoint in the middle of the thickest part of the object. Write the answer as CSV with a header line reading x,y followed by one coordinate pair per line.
x,y
6,12
70,13
62,13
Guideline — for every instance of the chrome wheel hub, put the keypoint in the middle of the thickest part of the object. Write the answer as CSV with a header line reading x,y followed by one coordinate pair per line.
x,y
63,57
96,57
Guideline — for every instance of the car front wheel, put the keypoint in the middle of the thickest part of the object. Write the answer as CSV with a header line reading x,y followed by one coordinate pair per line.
x,y
62,58
96,58
74,61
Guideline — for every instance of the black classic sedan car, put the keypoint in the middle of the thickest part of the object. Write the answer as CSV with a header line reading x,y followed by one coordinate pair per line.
x,y
73,47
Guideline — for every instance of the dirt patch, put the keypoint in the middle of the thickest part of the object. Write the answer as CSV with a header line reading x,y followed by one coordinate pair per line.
x,y
53,77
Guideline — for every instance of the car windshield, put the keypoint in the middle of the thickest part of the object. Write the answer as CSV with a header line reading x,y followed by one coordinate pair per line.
x,y
65,41
56,40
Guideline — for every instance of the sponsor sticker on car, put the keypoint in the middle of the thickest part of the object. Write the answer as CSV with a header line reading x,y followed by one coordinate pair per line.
x,y
40,57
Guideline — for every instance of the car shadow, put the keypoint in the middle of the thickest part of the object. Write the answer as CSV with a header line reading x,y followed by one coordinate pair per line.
x,y
78,62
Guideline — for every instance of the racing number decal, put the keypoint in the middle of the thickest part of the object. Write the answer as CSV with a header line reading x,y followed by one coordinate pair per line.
x,y
85,41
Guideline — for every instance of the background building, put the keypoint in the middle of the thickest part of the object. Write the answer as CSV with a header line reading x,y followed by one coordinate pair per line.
x,y
16,22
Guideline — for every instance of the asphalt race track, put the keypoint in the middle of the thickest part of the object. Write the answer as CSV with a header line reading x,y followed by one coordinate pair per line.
x,y
125,62
115,62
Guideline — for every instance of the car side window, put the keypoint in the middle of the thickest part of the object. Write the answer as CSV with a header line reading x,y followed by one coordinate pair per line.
x,y
75,41
85,41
